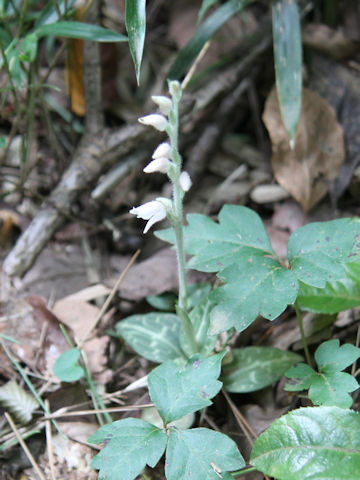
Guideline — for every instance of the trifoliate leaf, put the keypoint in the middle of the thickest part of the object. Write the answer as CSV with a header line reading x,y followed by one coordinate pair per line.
x,y
19,402
131,444
201,454
178,391
319,251
328,386
311,444
238,247
154,336
66,366
253,368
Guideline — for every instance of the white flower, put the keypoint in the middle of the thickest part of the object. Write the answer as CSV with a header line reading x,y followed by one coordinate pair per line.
x,y
153,211
160,164
164,103
185,181
155,120
163,150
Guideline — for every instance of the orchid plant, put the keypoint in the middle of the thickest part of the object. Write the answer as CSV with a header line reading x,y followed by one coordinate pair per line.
x,y
323,258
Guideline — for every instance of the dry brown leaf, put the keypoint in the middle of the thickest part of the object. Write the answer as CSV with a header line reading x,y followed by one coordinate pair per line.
x,y
319,148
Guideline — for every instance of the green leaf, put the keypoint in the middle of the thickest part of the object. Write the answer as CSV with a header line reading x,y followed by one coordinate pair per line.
x,y
319,251
154,336
333,298
2,142
197,292
206,30
201,454
165,302
178,391
256,281
200,318
19,402
255,285
66,366
131,444
206,4
254,368
330,356
329,386
84,31
135,20
49,14
311,444
288,61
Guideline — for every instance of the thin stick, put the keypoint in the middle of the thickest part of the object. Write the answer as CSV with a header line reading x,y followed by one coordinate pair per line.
x,y
302,331
24,446
246,428
49,444
194,66
109,298
61,413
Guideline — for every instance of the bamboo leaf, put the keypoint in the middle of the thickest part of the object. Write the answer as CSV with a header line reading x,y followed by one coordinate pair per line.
x,y
135,20
288,61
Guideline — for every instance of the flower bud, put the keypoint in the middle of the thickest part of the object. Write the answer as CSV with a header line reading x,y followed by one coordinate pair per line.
x,y
155,120
175,89
164,103
185,181
160,164
162,150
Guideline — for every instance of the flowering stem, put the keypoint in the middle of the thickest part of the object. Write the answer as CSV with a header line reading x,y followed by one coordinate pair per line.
x,y
178,194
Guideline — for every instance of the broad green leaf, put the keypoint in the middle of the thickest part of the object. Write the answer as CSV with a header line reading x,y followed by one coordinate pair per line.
x,y
84,31
2,142
135,20
178,391
201,454
206,30
66,366
19,402
288,61
255,285
311,444
328,386
131,444
319,251
254,368
154,336
206,4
